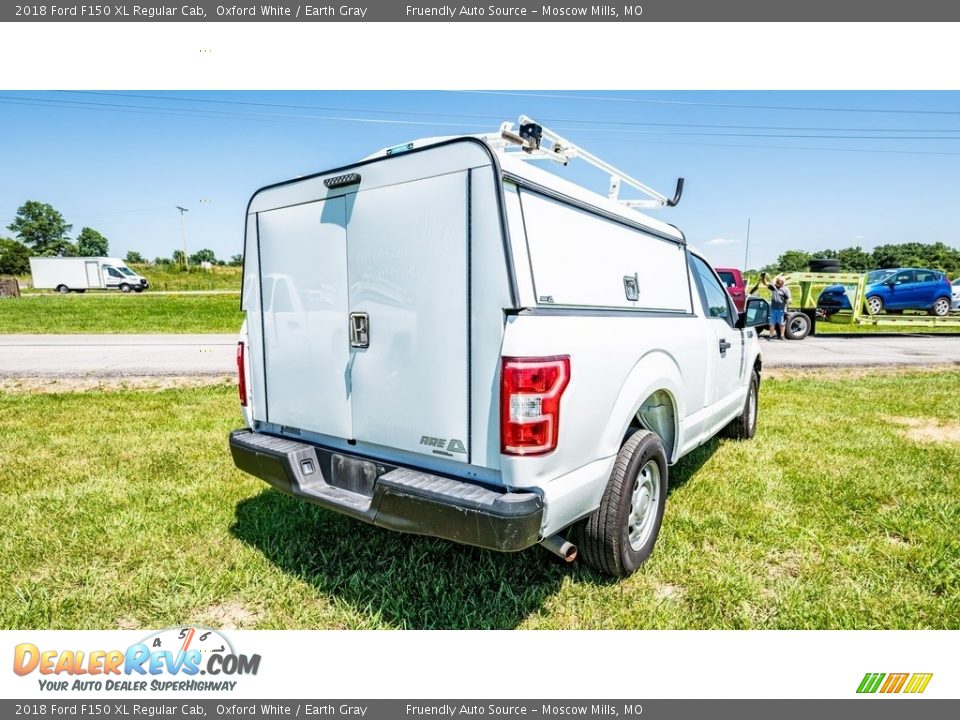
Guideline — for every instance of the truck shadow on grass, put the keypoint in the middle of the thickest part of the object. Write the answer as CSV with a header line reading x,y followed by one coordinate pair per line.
x,y
393,579
396,580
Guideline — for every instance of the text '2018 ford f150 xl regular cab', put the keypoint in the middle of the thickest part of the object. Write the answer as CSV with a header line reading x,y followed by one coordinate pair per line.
x,y
442,339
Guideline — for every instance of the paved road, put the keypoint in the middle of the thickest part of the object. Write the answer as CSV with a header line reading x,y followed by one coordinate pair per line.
x,y
116,355
138,355
861,350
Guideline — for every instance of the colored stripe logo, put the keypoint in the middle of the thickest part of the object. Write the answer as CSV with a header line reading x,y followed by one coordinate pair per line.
x,y
894,683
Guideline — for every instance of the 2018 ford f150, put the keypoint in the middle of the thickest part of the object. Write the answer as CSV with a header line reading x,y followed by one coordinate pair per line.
x,y
446,340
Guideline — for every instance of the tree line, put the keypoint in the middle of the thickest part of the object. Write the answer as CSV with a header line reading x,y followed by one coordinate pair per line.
x,y
936,256
41,230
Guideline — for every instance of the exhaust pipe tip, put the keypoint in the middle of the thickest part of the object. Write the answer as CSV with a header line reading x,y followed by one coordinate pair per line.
x,y
563,549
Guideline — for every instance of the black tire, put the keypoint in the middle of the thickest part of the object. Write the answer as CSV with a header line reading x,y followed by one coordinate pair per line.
x,y
138,288
63,289
824,265
744,425
125,288
941,308
797,326
603,538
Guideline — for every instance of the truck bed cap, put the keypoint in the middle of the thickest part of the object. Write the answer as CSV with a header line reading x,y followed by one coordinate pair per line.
x,y
512,164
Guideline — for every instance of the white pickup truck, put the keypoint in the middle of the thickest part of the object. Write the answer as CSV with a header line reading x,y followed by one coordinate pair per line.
x,y
443,339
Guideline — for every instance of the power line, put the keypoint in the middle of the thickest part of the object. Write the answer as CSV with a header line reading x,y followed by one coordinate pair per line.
x,y
202,112
120,107
600,98
111,213
738,146
274,117
498,118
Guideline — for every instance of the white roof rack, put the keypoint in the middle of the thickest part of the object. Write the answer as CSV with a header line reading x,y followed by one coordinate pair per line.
x,y
529,144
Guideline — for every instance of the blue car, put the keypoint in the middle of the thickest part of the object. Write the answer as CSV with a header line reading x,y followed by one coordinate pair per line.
x,y
895,290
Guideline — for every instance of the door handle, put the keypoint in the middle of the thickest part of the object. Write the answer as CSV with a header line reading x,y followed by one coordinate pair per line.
x,y
359,330
724,346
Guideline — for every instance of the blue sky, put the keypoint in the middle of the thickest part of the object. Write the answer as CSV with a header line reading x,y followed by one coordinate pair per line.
x,y
811,170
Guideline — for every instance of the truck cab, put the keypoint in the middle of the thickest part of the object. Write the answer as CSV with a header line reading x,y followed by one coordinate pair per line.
x,y
443,339
117,275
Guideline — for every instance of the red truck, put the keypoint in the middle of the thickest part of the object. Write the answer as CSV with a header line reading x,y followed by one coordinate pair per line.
x,y
733,279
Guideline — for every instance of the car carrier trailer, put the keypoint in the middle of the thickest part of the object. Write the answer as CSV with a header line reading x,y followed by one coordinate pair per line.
x,y
856,285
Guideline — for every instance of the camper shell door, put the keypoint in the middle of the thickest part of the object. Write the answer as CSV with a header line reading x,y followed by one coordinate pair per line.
x,y
357,287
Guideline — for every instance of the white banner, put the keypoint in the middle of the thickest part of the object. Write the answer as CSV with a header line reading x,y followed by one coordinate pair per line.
x,y
460,664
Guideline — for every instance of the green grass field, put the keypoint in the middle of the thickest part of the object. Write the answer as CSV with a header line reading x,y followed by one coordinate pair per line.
x,y
122,509
825,327
118,313
172,277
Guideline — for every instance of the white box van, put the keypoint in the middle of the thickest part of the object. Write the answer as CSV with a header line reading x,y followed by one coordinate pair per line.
x,y
442,339
79,274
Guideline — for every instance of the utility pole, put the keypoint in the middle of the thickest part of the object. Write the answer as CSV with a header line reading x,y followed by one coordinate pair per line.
x,y
746,250
183,233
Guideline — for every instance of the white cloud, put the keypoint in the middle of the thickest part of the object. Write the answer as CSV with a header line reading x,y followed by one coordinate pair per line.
x,y
858,237
723,241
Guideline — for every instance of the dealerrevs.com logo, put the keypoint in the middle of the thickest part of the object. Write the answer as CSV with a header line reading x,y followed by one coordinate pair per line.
x,y
910,683
172,660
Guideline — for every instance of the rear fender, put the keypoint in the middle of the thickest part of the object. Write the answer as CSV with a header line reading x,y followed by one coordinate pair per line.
x,y
654,372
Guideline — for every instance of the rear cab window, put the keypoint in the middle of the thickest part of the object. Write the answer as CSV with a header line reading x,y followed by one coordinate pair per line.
x,y
728,278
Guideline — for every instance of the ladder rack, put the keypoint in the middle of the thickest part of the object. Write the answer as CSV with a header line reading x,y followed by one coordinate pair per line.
x,y
530,139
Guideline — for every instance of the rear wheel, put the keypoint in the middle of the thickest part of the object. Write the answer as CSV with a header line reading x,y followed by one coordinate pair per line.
x,y
941,307
875,304
621,534
744,425
798,326
63,289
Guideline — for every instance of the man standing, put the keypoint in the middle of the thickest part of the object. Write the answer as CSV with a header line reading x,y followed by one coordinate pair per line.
x,y
779,301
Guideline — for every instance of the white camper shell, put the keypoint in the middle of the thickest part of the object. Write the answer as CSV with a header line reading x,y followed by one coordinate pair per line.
x,y
79,274
443,339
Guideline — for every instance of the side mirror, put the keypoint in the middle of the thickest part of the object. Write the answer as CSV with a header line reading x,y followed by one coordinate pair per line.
x,y
756,313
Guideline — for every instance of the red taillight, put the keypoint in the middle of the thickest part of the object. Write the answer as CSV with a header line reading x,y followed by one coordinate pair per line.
x,y
530,391
241,375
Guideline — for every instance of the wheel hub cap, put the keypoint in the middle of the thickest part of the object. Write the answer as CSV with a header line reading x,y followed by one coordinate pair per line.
x,y
643,504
